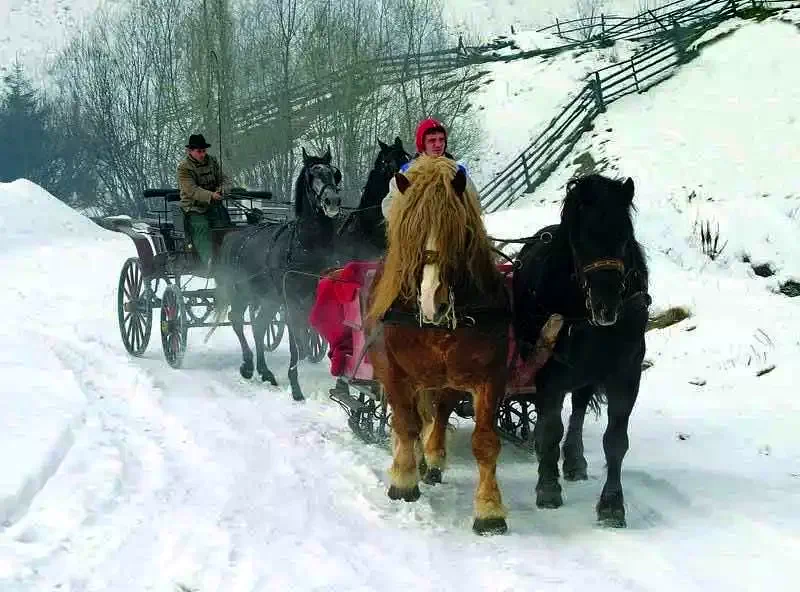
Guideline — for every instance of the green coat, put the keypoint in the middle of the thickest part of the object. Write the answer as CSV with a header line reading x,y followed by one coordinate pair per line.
x,y
198,181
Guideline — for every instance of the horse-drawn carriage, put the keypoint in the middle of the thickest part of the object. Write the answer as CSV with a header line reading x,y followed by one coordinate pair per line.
x,y
167,268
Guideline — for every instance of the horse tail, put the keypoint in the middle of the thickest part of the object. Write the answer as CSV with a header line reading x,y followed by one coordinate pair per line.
x,y
222,291
596,401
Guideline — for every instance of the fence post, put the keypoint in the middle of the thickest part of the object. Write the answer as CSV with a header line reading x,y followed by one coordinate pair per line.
x,y
525,170
635,78
597,90
558,27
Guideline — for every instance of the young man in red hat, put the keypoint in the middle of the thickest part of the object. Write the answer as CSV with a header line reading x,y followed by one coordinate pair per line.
x,y
431,139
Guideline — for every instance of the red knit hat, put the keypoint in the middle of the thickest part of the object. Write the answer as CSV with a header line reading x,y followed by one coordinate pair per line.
x,y
426,126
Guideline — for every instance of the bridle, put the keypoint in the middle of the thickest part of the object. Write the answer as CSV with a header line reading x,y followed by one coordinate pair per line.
x,y
325,185
582,272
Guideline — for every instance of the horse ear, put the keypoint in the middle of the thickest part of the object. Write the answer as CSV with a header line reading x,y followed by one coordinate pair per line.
x,y
398,142
402,182
327,156
305,155
628,189
383,146
460,182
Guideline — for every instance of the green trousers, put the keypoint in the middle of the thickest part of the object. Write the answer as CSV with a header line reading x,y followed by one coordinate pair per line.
x,y
202,226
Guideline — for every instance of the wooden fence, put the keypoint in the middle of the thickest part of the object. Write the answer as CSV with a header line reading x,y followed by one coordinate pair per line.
x,y
671,28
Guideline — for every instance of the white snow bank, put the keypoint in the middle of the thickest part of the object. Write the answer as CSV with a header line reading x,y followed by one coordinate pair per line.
x,y
31,215
58,270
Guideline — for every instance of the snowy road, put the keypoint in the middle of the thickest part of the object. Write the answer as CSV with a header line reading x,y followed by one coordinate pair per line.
x,y
198,478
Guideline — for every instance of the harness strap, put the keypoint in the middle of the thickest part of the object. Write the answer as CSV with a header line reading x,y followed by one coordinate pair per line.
x,y
466,317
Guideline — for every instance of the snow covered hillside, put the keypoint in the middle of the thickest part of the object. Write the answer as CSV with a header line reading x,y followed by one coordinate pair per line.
x,y
34,30
123,474
519,98
488,18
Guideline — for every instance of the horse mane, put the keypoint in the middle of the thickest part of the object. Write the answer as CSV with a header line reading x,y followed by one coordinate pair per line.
x,y
299,194
616,221
430,203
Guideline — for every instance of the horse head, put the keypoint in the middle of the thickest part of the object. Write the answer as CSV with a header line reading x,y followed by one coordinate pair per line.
x,y
435,233
597,221
391,158
322,183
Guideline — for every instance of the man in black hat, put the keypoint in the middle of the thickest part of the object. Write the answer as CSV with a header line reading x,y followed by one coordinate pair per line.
x,y
202,183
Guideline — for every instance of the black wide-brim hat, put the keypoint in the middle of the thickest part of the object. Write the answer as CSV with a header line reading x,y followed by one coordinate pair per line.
x,y
197,141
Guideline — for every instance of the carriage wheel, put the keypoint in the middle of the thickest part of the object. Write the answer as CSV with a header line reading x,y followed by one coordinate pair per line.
x,y
134,307
275,330
174,326
317,346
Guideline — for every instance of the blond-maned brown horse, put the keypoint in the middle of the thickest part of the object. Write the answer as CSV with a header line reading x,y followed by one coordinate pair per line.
x,y
444,311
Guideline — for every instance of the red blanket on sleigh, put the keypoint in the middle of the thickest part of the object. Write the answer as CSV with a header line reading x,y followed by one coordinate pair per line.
x,y
328,316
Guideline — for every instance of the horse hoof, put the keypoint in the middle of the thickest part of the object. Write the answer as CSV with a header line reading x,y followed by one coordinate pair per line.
x,y
269,377
489,526
246,370
409,495
433,476
612,517
576,474
611,511
549,498
296,395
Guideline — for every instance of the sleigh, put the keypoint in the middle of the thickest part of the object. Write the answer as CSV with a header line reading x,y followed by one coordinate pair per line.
x,y
338,315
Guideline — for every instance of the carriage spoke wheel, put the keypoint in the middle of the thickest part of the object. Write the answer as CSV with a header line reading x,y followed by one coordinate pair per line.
x,y
317,346
173,326
134,307
275,329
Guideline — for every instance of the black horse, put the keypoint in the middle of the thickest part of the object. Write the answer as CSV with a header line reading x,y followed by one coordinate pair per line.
x,y
364,231
592,271
278,263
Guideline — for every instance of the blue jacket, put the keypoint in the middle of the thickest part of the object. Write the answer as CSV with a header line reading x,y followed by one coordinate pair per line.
x,y
460,164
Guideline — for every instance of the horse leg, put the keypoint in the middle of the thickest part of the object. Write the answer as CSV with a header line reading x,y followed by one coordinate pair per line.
x,y
621,394
574,461
238,306
294,359
436,437
547,433
262,318
426,402
490,514
406,429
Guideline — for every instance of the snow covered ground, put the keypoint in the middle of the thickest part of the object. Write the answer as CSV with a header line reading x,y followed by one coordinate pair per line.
x,y
123,474
33,31
488,18
521,97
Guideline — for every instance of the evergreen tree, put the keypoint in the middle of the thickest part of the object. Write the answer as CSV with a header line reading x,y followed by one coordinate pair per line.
x,y
25,147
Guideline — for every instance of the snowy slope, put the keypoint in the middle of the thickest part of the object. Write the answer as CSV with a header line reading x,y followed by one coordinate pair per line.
x,y
487,18
123,474
521,97
34,30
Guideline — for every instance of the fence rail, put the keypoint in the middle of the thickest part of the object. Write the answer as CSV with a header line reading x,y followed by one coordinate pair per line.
x,y
672,28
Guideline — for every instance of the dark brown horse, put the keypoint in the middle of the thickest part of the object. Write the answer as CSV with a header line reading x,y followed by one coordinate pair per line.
x,y
444,312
